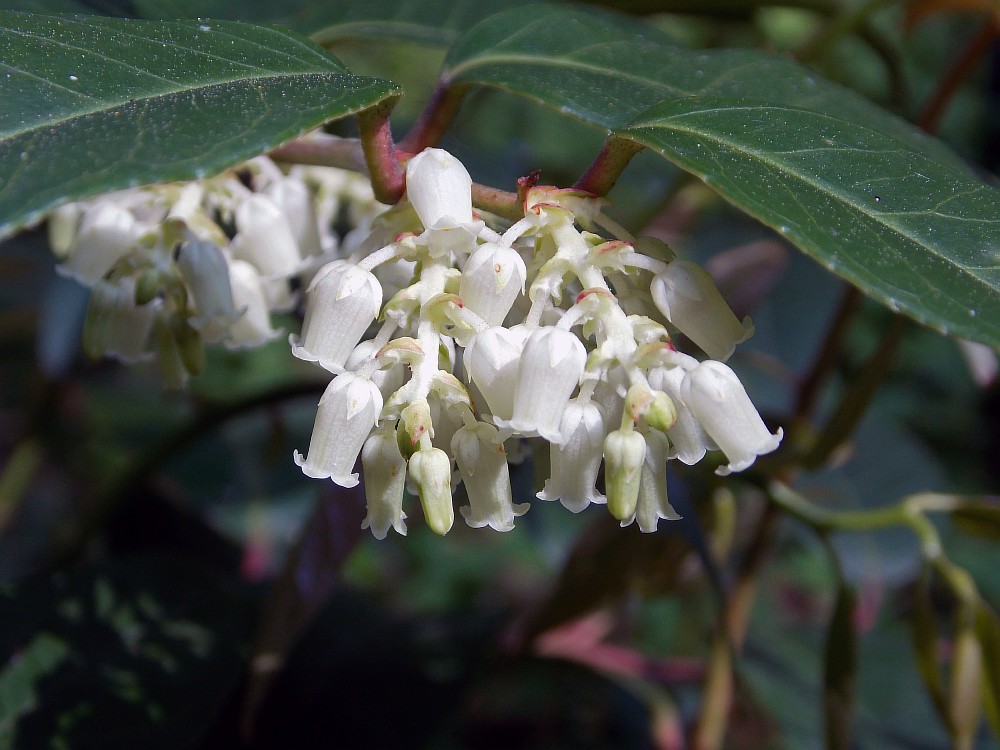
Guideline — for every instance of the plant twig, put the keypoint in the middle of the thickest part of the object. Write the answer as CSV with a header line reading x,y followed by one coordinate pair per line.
x,y
608,165
388,179
437,116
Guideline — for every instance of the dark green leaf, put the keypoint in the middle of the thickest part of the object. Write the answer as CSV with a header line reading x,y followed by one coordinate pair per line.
x,y
105,103
978,519
137,652
436,22
840,666
988,633
914,233
866,194
924,630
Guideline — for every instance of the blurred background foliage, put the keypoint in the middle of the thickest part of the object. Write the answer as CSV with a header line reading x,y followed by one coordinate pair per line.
x,y
171,580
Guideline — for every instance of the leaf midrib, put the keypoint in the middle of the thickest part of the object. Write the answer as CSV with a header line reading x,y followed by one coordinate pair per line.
x,y
779,166
112,106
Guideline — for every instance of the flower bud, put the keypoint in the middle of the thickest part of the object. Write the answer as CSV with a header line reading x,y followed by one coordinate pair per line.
x,y
483,465
491,280
264,238
576,463
687,296
624,454
718,400
661,414
415,420
62,228
439,187
343,300
347,412
385,480
548,373
430,470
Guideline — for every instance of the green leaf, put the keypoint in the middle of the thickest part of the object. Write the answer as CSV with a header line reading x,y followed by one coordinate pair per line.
x,y
436,22
107,103
924,631
978,519
143,651
840,665
909,231
988,632
861,191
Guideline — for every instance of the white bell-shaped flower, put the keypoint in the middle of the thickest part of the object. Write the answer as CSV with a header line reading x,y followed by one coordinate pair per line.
x,y
265,238
576,463
689,440
492,278
253,327
652,504
439,188
430,470
624,454
483,465
385,482
491,359
347,412
718,400
342,301
548,373
293,199
115,325
205,271
388,380
687,296
106,233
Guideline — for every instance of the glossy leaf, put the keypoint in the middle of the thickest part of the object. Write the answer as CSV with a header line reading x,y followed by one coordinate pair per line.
x,y
436,22
915,234
106,103
858,189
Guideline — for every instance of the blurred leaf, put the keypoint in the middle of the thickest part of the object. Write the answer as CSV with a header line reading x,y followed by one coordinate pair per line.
x,y
840,665
137,652
923,623
109,103
604,565
978,519
988,633
435,22
311,571
917,11
864,193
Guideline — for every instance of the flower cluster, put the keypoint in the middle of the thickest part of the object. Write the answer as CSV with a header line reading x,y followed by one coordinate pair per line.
x,y
480,338
174,267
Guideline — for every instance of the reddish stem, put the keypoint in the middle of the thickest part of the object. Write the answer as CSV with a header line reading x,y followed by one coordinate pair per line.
x,y
960,70
607,167
435,119
388,180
